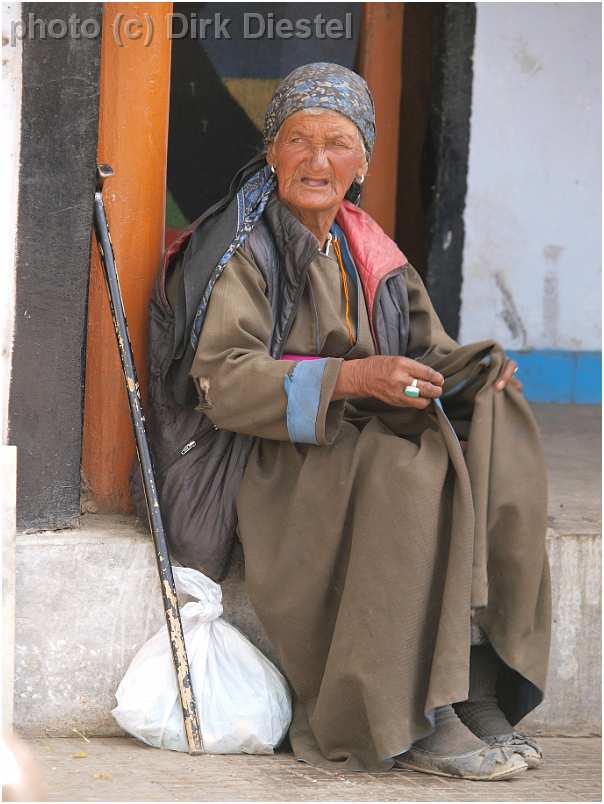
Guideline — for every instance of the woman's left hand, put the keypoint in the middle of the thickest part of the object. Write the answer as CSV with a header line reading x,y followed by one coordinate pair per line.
x,y
506,375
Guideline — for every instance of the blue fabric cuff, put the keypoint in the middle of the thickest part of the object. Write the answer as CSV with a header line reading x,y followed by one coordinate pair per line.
x,y
303,389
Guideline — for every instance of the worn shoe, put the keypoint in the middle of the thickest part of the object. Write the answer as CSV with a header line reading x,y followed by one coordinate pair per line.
x,y
520,744
488,764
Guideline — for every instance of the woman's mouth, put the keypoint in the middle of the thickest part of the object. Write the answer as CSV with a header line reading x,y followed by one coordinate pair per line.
x,y
307,181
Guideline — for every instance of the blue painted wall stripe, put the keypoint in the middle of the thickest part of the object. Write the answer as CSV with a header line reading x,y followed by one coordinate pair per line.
x,y
556,375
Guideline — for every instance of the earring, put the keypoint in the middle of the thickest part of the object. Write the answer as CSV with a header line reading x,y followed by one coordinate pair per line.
x,y
272,167
360,179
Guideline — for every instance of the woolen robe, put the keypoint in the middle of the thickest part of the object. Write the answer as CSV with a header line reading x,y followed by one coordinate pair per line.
x,y
366,549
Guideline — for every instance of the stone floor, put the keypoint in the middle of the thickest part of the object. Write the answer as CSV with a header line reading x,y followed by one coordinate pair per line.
x,y
121,769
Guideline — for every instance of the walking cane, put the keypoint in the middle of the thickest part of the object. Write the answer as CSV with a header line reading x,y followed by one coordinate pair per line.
x,y
164,566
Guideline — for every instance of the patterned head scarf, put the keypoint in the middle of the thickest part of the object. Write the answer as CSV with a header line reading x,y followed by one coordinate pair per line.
x,y
324,86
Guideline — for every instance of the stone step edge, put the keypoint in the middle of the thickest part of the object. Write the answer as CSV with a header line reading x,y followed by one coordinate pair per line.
x,y
108,528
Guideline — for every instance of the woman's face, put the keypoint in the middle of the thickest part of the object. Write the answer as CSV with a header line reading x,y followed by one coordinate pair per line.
x,y
316,157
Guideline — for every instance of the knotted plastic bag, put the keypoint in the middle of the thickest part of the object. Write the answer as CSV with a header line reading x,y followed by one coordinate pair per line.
x,y
243,700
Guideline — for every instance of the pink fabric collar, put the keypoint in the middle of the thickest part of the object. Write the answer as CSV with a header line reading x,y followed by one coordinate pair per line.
x,y
374,253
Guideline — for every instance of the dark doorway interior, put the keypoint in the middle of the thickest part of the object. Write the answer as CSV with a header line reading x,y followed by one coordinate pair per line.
x,y
434,147
415,171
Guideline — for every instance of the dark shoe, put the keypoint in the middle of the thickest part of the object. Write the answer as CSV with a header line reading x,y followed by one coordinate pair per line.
x,y
488,764
520,744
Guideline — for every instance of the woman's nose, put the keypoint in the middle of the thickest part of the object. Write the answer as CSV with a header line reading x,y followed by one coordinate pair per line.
x,y
318,157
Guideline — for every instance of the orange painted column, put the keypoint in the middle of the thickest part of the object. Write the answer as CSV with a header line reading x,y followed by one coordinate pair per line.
x,y
133,139
380,64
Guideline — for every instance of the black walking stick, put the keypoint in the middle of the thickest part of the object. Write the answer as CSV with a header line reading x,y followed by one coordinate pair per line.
x,y
172,612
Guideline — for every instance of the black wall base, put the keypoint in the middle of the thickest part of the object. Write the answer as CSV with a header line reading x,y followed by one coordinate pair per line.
x,y
60,101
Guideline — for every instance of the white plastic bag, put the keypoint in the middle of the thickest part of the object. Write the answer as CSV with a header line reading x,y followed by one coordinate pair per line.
x,y
243,700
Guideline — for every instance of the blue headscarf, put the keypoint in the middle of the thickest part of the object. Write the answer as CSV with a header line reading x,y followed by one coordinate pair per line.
x,y
325,86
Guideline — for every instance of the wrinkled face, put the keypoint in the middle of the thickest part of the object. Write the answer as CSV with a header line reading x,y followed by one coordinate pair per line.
x,y
316,157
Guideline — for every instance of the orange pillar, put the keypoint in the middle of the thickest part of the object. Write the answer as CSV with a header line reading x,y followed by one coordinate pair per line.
x,y
133,137
380,64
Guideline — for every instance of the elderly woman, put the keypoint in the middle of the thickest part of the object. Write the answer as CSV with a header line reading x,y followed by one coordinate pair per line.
x,y
305,393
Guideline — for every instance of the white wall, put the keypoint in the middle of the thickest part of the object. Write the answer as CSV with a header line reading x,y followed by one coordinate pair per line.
x,y
532,255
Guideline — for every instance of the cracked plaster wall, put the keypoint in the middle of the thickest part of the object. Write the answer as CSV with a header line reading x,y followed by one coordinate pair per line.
x,y
532,264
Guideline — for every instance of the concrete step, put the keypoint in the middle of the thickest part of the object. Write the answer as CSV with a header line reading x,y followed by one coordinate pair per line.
x,y
572,441
572,444
88,598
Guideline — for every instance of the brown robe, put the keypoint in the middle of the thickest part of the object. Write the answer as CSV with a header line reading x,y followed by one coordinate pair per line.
x,y
364,553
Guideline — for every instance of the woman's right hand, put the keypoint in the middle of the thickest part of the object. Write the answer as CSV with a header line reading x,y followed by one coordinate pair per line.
x,y
385,377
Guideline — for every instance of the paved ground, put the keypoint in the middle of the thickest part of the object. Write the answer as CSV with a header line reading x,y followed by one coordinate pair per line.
x,y
121,769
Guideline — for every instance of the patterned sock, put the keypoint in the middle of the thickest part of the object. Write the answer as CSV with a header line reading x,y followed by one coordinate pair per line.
x,y
481,712
450,736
